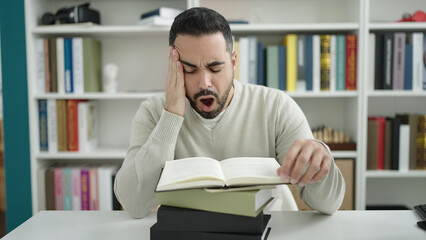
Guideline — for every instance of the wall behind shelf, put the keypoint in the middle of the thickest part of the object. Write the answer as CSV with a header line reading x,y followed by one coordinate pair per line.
x,y
15,99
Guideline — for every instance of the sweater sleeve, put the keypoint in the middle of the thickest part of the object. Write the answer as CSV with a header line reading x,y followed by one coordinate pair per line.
x,y
325,196
152,143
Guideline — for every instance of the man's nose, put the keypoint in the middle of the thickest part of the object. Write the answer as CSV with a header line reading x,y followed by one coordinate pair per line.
x,y
205,79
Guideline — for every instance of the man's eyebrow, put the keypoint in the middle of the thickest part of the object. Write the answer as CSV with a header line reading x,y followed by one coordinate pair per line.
x,y
188,64
212,64
215,63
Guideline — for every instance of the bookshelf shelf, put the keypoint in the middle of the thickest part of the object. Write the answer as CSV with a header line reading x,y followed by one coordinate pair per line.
x,y
324,94
344,154
403,26
396,174
119,31
100,96
297,27
101,154
395,93
130,30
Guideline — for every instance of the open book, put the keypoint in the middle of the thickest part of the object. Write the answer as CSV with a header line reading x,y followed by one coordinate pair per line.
x,y
203,172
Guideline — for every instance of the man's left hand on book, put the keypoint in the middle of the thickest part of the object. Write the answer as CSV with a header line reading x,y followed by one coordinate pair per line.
x,y
305,154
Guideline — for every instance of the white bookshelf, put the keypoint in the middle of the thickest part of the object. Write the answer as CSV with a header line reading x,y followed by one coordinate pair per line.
x,y
141,54
385,186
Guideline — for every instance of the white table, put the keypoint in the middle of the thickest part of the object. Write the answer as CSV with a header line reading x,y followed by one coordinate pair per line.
x,y
81,225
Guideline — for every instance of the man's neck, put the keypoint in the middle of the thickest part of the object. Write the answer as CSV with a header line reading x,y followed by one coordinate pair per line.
x,y
230,95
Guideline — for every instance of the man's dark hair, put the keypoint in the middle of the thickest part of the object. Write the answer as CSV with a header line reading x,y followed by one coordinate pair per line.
x,y
201,21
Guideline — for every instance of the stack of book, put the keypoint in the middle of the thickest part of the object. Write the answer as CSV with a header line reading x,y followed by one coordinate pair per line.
x,y
202,198
80,187
69,65
396,142
183,223
67,125
302,62
162,16
397,60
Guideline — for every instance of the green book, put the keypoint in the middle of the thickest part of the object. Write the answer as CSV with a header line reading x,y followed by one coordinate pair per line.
x,y
341,62
272,68
92,65
244,203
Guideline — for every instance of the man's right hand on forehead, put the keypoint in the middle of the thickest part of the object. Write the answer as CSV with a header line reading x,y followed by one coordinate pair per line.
x,y
175,87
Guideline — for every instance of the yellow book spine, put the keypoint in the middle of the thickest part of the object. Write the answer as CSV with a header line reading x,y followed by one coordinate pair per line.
x,y
290,42
325,62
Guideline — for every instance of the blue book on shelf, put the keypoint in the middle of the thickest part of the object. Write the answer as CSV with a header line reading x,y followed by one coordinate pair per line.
x,y
282,68
408,71
69,86
260,64
42,127
309,62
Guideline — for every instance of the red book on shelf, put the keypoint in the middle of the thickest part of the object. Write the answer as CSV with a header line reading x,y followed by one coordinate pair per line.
x,y
380,141
351,61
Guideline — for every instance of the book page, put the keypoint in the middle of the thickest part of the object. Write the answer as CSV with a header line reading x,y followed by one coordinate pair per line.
x,y
187,172
250,171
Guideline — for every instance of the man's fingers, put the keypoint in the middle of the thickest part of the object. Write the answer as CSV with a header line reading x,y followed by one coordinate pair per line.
x,y
289,160
314,168
302,161
179,75
170,70
325,167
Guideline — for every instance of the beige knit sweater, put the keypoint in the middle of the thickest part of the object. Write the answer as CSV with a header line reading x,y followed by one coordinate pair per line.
x,y
259,122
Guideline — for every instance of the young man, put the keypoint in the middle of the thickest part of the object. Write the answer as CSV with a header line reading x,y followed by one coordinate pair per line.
x,y
205,112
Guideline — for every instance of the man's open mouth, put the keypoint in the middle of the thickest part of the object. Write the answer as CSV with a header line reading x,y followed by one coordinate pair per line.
x,y
207,103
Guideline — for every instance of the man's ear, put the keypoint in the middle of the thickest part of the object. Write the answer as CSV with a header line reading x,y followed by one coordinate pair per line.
x,y
234,59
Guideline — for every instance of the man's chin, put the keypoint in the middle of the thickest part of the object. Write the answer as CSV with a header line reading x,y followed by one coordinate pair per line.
x,y
207,114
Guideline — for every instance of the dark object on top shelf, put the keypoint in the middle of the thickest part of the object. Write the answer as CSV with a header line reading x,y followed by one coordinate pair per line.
x,y
76,14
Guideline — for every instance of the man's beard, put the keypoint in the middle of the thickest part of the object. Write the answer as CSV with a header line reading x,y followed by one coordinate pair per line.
x,y
220,102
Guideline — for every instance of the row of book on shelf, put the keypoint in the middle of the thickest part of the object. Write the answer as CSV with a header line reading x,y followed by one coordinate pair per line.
x,y
398,61
396,143
68,65
85,187
302,62
67,125
221,202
